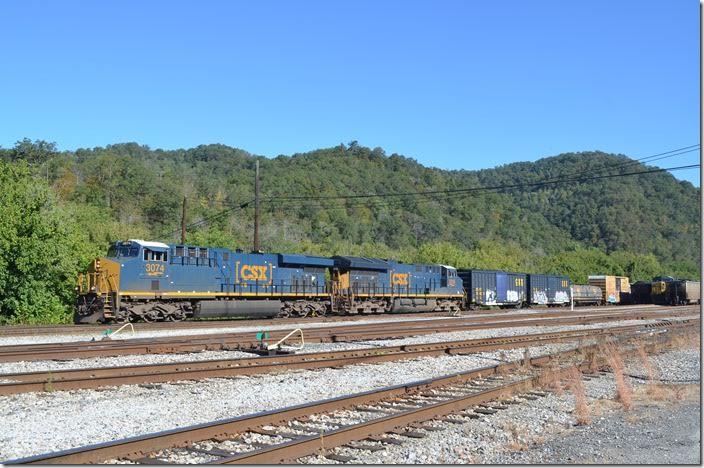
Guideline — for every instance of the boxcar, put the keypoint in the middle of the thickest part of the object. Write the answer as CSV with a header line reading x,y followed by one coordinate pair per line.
x,y
583,294
491,287
611,287
548,290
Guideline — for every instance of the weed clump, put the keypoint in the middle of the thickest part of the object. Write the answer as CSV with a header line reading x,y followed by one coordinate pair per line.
x,y
624,392
581,409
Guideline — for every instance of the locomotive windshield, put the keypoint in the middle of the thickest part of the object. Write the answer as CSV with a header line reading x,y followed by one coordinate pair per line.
x,y
123,250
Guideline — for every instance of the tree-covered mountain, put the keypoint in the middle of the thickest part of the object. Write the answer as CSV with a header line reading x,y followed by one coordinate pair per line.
x,y
552,215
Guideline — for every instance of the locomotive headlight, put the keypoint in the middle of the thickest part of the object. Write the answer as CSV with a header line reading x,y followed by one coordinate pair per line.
x,y
92,288
97,264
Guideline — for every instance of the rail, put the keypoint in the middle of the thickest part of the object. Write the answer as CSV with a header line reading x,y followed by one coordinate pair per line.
x,y
398,405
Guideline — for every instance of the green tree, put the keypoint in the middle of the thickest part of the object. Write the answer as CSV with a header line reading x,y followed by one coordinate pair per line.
x,y
40,254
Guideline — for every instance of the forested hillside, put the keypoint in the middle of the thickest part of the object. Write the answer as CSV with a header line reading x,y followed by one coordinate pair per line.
x,y
59,209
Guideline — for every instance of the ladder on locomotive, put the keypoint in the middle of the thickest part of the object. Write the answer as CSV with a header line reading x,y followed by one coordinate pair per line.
x,y
107,305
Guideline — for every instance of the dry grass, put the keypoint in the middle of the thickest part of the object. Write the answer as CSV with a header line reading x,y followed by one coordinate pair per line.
x,y
670,394
550,379
526,360
624,392
581,409
593,361
654,389
515,444
685,340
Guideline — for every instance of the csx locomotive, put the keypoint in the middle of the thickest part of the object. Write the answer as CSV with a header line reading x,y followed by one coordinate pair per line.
x,y
153,281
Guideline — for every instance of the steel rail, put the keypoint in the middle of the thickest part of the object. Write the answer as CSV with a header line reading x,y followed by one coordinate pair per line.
x,y
342,333
134,447
35,330
141,445
71,379
302,446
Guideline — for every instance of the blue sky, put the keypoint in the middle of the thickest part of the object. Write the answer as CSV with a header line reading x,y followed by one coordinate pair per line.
x,y
453,84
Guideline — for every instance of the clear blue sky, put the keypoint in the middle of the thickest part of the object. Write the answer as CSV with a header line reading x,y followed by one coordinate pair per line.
x,y
465,84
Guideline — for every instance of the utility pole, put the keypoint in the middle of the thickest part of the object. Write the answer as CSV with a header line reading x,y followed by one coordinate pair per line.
x,y
183,222
256,206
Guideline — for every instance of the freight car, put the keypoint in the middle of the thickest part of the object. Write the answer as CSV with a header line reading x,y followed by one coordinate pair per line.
x,y
640,293
611,287
548,290
494,288
153,281
666,290
583,294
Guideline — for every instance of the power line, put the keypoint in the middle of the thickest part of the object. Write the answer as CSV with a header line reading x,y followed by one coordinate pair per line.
x,y
210,218
667,154
447,194
391,199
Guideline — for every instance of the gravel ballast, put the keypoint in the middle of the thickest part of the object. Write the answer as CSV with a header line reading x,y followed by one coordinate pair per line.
x,y
40,422
544,430
37,366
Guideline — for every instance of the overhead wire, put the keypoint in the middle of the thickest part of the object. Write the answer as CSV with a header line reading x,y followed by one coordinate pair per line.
x,y
392,199
663,155
454,192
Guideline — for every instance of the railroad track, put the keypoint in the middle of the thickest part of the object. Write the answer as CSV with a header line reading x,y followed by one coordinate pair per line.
x,y
36,330
341,333
72,379
361,421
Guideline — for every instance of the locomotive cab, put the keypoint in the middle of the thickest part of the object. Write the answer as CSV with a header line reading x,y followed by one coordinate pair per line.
x,y
100,287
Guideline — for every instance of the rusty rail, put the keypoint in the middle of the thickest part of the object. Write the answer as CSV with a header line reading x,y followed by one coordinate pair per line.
x,y
136,447
342,333
36,330
71,379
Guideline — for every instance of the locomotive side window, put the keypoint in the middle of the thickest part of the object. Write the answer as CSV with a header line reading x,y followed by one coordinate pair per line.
x,y
150,255
191,251
179,251
203,253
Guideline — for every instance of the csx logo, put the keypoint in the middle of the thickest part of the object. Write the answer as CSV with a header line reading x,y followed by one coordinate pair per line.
x,y
399,279
254,273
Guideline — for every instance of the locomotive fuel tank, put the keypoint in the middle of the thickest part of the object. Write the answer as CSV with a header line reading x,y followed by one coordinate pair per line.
x,y
237,309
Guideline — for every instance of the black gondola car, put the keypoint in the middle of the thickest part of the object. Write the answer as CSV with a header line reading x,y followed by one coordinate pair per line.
x,y
640,293
548,290
494,288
